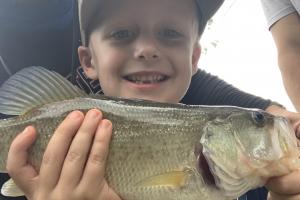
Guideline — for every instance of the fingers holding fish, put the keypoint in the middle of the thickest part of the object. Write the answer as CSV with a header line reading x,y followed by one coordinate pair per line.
x,y
296,125
287,187
293,117
82,175
78,152
288,184
57,149
18,165
93,176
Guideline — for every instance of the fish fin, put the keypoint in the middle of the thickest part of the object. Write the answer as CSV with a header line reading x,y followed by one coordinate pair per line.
x,y
10,189
33,87
170,179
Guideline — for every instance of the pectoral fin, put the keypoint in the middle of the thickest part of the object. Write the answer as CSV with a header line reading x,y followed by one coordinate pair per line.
x,y
171,179
10,189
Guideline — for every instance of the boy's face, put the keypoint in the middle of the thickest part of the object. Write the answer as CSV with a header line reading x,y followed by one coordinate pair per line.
x,y
144,49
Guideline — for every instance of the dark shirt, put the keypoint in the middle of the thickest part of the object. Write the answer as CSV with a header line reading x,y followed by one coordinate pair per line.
x,y
207,89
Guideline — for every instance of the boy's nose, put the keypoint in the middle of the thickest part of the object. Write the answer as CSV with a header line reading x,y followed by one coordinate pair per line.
x,y
147,52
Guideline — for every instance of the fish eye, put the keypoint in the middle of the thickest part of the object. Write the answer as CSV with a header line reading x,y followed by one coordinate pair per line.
x,y
258,118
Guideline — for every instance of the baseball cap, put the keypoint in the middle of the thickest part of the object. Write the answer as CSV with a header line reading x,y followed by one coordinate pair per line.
x,y
88,8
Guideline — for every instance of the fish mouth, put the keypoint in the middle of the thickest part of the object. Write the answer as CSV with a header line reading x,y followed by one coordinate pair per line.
x,y
205,171
146,77
203,167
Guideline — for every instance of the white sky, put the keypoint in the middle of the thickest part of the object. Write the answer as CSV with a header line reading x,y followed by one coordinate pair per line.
x,y
245,55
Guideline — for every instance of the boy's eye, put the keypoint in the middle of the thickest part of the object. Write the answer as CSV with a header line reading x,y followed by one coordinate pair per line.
x,y
170,33
122,34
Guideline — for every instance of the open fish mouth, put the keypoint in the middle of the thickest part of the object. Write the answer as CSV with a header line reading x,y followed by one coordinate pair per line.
x,y
203,166
204,169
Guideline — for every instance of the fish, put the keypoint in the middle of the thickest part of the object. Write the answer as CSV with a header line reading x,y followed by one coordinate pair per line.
x,y
158,150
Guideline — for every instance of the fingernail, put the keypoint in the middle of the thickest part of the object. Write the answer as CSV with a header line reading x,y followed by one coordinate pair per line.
x,y
25,130
74,115
105,124
94,113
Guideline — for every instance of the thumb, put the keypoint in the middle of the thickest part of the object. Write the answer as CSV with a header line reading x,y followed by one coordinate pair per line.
x,y
18,166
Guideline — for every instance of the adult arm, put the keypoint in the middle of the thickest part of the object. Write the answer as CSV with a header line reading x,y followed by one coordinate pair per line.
x,y
286,34
283,20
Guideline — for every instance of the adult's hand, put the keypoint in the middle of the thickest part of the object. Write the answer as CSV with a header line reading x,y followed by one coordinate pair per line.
x,y
293,117
285,187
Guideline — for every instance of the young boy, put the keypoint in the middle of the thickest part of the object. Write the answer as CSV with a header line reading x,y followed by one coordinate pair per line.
x,y
137,49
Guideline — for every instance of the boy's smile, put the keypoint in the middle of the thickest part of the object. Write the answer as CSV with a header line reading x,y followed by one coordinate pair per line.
x,y
138,50
146,79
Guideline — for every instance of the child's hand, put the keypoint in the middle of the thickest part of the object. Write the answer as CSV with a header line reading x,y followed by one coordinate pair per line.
x,y
73,165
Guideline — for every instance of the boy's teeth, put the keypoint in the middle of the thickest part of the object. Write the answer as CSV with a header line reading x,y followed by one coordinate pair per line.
x,y
146,79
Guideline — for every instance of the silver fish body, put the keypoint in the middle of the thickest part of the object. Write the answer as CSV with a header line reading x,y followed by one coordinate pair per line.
x,y
160,151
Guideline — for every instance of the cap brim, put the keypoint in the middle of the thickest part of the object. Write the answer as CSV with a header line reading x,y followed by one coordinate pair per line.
x,y
207,8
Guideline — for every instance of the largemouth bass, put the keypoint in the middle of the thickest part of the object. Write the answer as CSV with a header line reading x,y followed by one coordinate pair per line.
x,y
158,150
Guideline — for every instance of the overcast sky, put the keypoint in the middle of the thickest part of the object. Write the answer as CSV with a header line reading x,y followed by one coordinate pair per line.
x,y
245,55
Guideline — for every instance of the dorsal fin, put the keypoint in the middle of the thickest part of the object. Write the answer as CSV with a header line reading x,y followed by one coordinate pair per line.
x,y
33,87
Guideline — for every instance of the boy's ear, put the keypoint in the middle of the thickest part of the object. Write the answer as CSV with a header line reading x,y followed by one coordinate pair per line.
x,y
85,58
196,57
